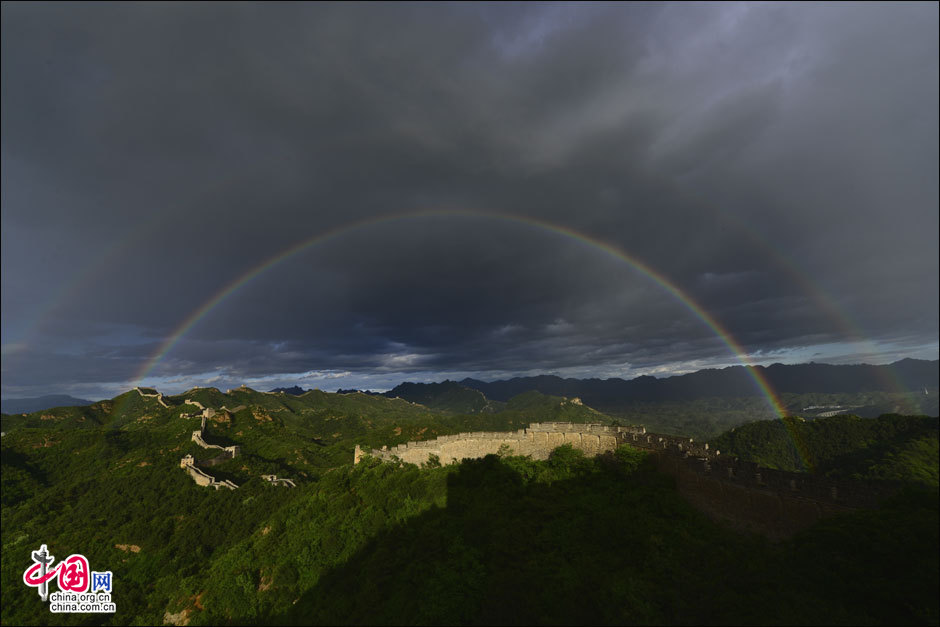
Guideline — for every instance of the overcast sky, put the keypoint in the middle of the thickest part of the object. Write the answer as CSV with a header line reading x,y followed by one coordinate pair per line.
x,y
776,163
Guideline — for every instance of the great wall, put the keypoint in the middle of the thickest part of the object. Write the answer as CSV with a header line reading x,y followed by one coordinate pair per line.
x,y
155,394
202,478
228,452
188,463
742,494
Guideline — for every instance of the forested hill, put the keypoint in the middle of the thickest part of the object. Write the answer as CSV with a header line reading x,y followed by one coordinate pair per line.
x,y
499,540
446,396
888,447
734,381
308,432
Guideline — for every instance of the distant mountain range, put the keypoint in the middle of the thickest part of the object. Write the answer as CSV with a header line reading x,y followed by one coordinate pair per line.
x,y
907,374
29,405
475,396
445,396
387,536
294,391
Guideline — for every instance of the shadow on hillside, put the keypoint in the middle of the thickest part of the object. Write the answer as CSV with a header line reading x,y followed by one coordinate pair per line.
x,y
499,553
19,477
598,548
212,436
604,548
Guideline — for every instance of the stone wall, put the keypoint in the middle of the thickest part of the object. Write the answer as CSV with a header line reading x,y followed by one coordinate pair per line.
x,y
157,396
187,462
282,481
538,441
774,503
202,478
232,451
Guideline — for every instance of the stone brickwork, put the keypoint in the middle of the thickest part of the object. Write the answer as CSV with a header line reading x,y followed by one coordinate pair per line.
x,y
272,479
227,452
232,451
156,395
774,503
202,478
188,463
537,441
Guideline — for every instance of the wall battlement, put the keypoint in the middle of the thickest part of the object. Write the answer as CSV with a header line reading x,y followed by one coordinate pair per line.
x,y
538,440
202,478
228,452
156,395
188,463
272,479
774,503
233,451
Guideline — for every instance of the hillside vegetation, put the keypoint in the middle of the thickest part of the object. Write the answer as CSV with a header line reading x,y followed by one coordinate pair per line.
x,y
507,540
281,432
446,396
889,447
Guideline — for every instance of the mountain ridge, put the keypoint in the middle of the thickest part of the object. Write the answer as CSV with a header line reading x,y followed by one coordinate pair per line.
x,y
38,403
734,381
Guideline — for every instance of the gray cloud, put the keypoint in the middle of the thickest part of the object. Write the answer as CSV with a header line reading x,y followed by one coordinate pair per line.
x,y
777,163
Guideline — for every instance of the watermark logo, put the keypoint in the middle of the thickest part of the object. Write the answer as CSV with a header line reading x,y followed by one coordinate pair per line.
x,y
81,589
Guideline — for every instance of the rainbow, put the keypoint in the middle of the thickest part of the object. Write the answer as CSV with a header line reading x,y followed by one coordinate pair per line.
x,y
85,276
79,281
720,331
810,287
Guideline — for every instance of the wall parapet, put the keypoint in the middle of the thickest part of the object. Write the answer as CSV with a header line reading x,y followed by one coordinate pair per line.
x,y
538,440
773,502
272,479
202,478
157,395
228,452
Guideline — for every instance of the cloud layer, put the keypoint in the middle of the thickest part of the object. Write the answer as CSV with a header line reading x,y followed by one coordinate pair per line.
x,y
778,164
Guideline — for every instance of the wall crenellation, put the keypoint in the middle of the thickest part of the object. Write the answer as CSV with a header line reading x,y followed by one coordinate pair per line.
x,y
156,395
775,503
202,478
227,452
538,440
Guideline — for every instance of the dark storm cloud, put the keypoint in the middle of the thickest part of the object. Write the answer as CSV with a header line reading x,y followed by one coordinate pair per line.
x,y
772,161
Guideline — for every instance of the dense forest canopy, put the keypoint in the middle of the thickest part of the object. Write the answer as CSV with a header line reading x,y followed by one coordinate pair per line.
x,y
497,540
